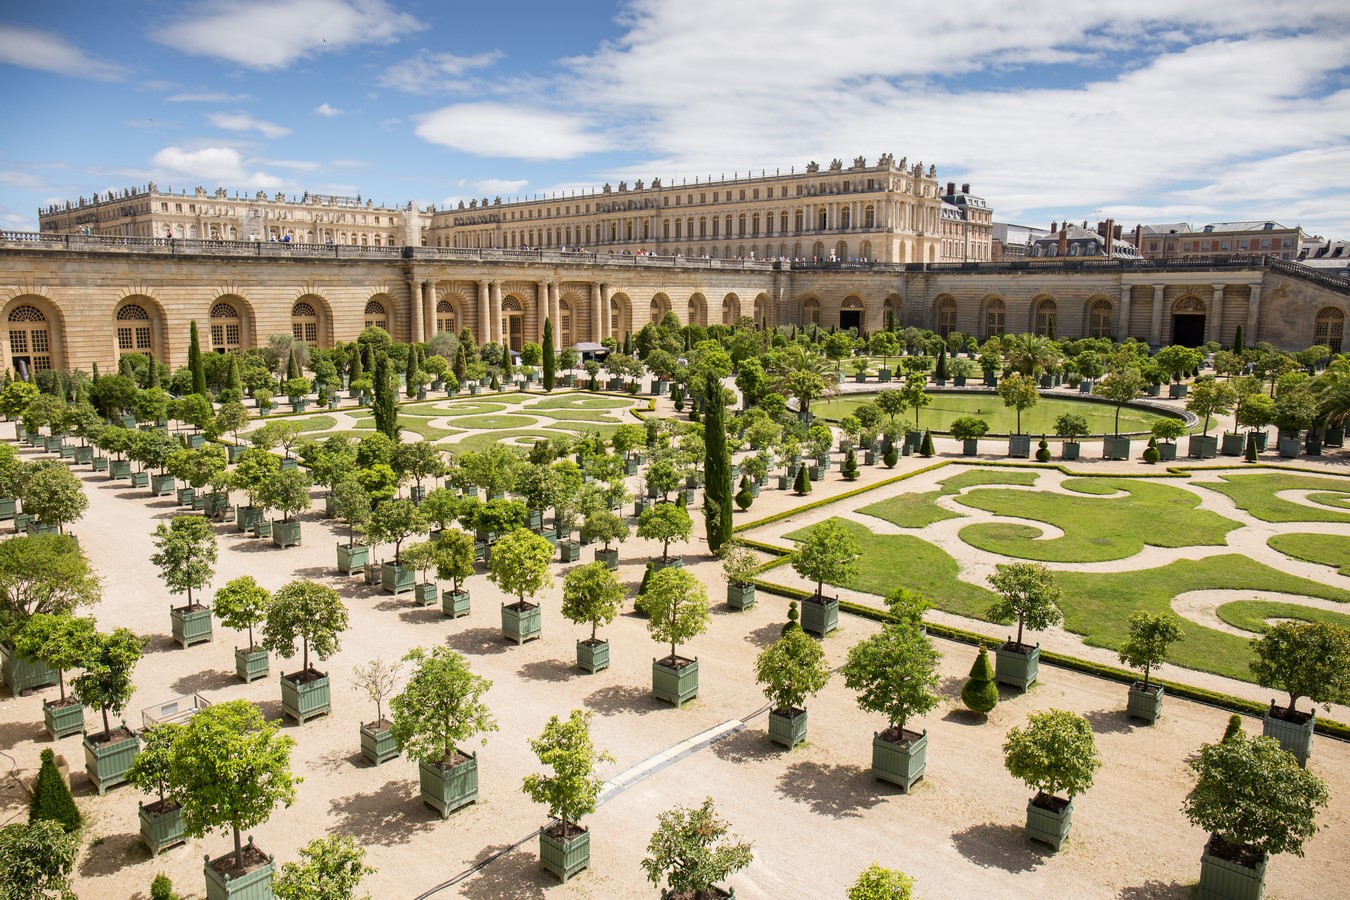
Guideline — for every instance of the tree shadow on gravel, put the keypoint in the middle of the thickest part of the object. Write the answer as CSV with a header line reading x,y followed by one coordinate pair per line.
x,y
1157,890
14,733
623,698
272,712
204,681
386,816
160,643
765,635
421,615
111,854
951,685
1110,721
553,670
747,745
1005,847
965,717
515,875
837,791
478,641
318,573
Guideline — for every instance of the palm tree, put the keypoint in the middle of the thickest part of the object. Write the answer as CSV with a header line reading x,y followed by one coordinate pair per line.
x,y
1033,353
802,373
1332,389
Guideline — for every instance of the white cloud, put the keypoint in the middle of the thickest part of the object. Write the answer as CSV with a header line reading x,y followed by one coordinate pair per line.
x,y
323,109
213,165
32,48
274,34
430,73
502,130
245,122
208,97
494,186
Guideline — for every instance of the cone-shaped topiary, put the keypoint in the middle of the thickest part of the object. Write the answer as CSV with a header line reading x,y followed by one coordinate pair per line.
x,y
802,486
926,448
980,693
1234,726
496,383
162,888
682,500
642,588
1250,454
51,797
1042,451
850,469
792,617
890,457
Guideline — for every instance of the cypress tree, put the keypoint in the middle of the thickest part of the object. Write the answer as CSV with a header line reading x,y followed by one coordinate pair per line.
x,y
233,380
1250,454
151,372
466,340
461,362
980,693
51,797
941,372
1050,329
409,371
356,370
195,362
1239,343
926,448
628,343
507,369
369,351
550,362
124,367
385,408
717,467
292,366
94,377
802,485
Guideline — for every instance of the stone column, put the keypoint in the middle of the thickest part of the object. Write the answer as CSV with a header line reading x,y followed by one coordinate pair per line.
x,y
1155,327
595,313
1215,318
1249,336
482,330
542,309
429,307
1123,325
495,312
605,322
555,312
414,310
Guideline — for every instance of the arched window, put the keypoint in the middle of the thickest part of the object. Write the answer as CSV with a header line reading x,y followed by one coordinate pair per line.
x,y
226,327
822,220
615,317
1099,324
799,221
564,324
869,216
993,318
811,312
445,316
754,224
1329,330
1045,314
376,315
305,324
946,316
134,332
30,339
845,219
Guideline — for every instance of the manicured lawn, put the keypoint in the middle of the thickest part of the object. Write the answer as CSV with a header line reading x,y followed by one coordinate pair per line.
x,y
497,421
520,438
919,510
573,415
1095,528
471,408
1341,500
1256,492
580,401
1324,549
416,426
1040,419
1097,606
900,560
317,423
1254,615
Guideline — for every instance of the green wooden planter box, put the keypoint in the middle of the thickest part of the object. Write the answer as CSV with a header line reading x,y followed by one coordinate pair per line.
x,y
67,451
245,517
1200,446
1145,703
1296,737
232,451
36,527
448,789
1234,442
1222,879
378,744
397,579
1116,447
140,479
119,468
455,603
262,528
675,562
84,455
1177,391
63,721
1070,450
899,764
214,504
162,485
285,534
352,559
787,731
609,557
100,463
289,462
1019,445
1017,669
740,596
569,551
23,673
186,496
521,625
1167,452
21,522
593,657
1047,825
250,665
107,764
565,858
426,593
254,885
677,686
191,624
160,831
307,700
54,444
820,615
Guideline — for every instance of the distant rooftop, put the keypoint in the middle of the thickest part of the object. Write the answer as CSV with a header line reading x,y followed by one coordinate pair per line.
x,y
1242,226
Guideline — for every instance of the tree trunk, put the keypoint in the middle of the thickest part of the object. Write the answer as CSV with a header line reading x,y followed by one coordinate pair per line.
x,y
238,851
1019,631
107,729
305,643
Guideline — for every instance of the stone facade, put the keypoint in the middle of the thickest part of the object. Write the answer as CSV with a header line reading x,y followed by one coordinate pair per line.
x,y
68,302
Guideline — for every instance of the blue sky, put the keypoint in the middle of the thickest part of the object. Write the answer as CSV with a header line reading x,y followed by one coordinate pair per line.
x,y
1146,110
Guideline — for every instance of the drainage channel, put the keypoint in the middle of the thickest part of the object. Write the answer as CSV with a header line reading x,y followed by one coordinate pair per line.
x,y
620,783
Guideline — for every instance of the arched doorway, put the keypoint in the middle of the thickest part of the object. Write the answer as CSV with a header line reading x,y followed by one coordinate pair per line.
x,y
851,315
811,312
946,316
1330,328
513,323
1099,319
135,330
564,335
305,323
30,340
226,327
1188,322
994,317
445,316
1046,310
376,315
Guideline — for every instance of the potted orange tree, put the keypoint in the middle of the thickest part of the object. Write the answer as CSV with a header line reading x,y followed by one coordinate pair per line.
x,y
829,553
592,595
314,614
570,792
1303,659
1055,753
791,669
1150,636
1027,594
106,685
241,604
677,606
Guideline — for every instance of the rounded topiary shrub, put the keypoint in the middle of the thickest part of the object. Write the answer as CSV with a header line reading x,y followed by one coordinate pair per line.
x,y
980,693
1042,451
1151,451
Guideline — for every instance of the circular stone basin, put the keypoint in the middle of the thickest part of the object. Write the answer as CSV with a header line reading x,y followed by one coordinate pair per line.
x,y
1040,419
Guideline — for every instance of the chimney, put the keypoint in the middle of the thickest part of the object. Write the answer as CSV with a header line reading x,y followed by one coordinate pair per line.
x,y
1054,226
951,188
1064,240
965,188
1116,232
1139,239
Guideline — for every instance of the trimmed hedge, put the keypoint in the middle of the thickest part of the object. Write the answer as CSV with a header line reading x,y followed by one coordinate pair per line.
x,y
817,504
